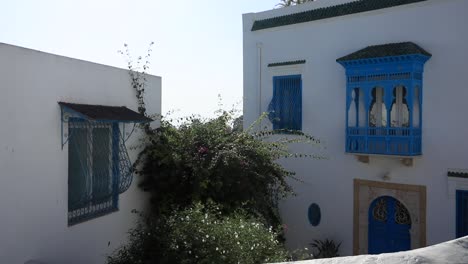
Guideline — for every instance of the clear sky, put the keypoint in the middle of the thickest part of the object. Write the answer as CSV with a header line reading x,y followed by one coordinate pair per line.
x,y
197,51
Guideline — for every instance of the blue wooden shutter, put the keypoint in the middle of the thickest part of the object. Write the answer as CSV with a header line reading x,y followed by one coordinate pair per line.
x,y
101,168
287,102
462,213
77,174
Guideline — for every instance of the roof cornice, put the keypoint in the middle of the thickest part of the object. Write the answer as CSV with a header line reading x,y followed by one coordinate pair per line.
x,y
355,7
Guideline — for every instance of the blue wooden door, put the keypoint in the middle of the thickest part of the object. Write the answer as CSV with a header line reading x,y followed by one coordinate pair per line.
x,y
389,224
462,213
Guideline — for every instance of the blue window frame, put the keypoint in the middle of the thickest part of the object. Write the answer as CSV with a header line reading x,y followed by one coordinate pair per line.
x,y
462,213
285,110
93,174
384,105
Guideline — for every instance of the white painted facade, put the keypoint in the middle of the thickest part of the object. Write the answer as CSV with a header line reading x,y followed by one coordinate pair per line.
x,y
34,168
438,26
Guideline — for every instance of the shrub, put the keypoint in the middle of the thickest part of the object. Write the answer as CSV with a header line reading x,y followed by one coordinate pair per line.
x,y
326,248
206,160
201,234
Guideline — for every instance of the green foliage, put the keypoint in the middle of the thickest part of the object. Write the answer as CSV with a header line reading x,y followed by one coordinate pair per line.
x,y
326,248
285,3
300,254
201,234
138,71
206,160
203,160
200,161
146,243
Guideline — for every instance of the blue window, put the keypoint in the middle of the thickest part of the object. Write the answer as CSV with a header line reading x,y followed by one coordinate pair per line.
x,y
285,110
384,86
462,213
93,157
99,167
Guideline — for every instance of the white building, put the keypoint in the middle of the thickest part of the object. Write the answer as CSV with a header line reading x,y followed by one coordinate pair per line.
x,y
63,189
383,84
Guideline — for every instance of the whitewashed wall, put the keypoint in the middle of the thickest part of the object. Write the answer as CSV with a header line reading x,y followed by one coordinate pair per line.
x,y
34,168
439,26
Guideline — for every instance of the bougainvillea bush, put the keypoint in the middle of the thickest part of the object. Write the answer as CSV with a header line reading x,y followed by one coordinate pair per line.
x,y
208,161
214,192
201,234
214,187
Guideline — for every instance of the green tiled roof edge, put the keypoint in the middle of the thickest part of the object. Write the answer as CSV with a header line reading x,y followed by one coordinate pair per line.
x,y
386,50
457,174
328,12
285,63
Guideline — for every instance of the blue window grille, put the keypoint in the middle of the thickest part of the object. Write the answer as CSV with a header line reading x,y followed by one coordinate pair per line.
x,y
384,99
285,109
99,167
462,213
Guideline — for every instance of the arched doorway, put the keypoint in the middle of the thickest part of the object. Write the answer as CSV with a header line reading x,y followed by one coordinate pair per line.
x,y
389,225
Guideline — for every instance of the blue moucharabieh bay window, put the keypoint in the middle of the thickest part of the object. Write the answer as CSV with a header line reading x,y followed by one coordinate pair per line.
x,y
285,109
384,88
99,168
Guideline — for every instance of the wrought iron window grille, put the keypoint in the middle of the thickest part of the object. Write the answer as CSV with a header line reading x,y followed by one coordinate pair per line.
x,y
99,167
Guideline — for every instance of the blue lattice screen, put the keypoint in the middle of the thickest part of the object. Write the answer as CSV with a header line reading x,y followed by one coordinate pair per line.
x,y
99,169
285,109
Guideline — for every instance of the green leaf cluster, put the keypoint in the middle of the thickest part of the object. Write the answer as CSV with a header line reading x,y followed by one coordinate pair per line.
x,y
214,188
201,234
205,160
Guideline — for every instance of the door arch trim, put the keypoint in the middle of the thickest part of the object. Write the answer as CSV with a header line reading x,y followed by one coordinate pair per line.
x,y
412,196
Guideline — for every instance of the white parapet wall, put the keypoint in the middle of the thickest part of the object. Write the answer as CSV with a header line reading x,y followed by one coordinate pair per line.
x,y
451,252
34,167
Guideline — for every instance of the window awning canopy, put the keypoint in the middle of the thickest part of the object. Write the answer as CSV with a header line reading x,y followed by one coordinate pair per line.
x,y
385,51
104,113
